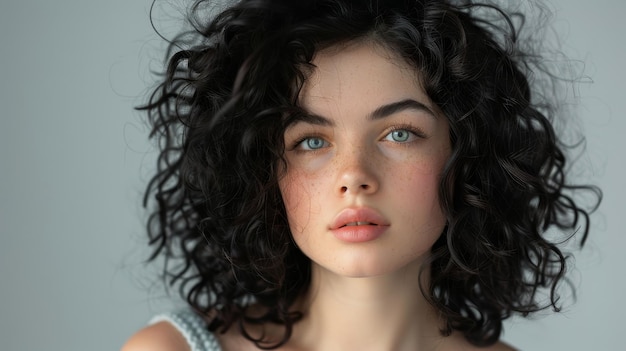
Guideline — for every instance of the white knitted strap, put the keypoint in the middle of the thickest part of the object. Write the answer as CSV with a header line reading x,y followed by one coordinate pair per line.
x,y
192,327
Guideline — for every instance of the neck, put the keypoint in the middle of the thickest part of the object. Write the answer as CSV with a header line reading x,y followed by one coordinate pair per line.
x,y
386,312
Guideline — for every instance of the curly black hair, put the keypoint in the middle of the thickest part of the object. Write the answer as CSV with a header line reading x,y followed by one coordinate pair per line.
x,y
228,93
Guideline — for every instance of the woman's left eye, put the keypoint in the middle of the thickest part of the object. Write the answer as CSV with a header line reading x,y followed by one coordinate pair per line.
x,y
400,135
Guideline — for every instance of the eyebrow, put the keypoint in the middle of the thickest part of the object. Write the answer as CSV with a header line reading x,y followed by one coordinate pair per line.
x,y
380,113
395,107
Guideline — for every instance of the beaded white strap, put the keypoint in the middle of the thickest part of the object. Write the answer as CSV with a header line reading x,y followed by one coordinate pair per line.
x,y
193,329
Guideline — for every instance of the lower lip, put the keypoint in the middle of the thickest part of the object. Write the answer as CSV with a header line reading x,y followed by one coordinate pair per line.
x,y
359,233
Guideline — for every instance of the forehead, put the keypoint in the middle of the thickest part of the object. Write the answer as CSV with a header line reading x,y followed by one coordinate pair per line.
x,y
360,72
360,54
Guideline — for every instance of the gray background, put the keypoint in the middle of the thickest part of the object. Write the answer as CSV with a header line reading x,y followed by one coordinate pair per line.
x,y
74,159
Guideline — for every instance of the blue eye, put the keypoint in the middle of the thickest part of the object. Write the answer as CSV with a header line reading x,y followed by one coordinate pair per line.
x,y
313,143
399,135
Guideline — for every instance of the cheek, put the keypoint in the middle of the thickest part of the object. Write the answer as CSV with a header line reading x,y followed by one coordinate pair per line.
x,y
418,189
298,193
422,187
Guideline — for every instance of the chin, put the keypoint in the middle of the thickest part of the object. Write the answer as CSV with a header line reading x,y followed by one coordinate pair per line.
x,y
365,266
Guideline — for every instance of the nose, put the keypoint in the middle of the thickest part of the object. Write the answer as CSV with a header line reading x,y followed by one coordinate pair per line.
x,y
357,174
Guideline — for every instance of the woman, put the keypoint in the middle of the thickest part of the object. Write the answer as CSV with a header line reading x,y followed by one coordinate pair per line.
x,y
367,175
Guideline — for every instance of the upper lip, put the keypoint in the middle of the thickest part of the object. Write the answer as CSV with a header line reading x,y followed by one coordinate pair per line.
x,y
355,215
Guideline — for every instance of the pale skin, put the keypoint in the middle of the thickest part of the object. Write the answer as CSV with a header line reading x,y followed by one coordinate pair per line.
x,y
375,147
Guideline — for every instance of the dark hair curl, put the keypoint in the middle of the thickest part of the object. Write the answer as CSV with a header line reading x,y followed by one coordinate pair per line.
x,y
230,90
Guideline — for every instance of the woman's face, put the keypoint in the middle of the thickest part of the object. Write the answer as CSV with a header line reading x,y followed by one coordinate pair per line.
x,y
363,169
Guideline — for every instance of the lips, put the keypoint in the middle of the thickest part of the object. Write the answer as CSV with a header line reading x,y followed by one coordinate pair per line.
x,y
362,216
358,223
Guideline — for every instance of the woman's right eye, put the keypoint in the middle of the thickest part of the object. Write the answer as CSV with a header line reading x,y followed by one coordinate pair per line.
x,y
312,144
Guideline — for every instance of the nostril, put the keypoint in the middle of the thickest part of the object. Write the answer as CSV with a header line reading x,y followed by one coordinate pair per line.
x,y
344,189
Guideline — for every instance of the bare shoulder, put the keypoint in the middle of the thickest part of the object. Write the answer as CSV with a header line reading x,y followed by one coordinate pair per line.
x,y
161,336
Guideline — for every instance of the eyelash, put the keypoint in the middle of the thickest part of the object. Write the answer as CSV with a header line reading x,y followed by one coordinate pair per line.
x,y
409,128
